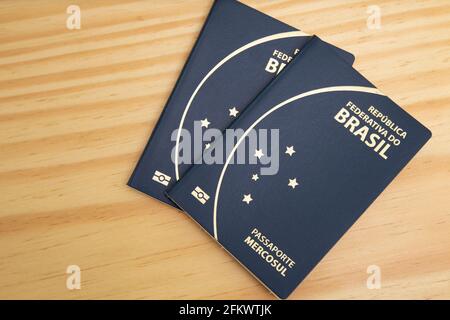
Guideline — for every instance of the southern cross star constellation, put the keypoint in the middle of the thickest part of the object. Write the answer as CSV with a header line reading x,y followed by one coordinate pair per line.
x,y
247,198
292,182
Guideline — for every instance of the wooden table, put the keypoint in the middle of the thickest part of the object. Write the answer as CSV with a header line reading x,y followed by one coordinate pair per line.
x,y
77,107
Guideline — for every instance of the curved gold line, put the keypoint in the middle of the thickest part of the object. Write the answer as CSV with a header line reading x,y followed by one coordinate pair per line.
x,y
278,106
277,36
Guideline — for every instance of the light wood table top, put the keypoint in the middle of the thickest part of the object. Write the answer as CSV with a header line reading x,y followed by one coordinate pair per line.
x,y
77,108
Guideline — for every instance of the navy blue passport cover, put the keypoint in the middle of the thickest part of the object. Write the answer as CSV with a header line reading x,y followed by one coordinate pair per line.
x,y
335,158
226,69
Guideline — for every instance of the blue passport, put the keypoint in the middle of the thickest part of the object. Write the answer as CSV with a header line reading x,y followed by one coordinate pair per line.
x,y
333,143
238,52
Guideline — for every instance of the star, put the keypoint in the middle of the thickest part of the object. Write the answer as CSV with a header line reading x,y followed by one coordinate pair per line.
x,y
207,146
233,112
290,150
255,177
258,153
293,183
205,123
247,198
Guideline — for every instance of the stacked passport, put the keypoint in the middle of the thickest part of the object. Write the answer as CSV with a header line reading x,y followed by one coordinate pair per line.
x,y
273,143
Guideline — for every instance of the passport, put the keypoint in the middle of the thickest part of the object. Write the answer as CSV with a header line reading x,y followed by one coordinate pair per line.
x,y
339,141
238,52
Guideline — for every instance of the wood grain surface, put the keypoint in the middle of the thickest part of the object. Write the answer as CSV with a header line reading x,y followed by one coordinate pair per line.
x,y
77,108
